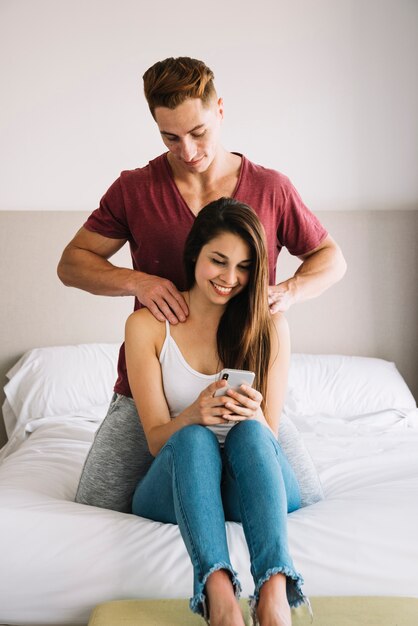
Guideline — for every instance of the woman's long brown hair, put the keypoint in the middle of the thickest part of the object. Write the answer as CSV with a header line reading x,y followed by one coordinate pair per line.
x,y
243,337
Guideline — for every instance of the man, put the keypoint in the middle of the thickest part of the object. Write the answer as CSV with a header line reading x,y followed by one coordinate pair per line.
x,y
153,208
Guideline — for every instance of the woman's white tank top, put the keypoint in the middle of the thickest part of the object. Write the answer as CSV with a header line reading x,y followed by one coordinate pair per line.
x,y
182,384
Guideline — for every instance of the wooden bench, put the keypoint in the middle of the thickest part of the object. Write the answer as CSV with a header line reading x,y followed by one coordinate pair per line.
x,y
328,611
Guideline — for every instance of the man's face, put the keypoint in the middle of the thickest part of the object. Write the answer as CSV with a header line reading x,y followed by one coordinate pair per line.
x,y
191,132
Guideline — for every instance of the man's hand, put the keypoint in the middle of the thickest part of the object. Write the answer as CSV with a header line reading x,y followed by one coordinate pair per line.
x,y
280,297
320,268
162,298
84,264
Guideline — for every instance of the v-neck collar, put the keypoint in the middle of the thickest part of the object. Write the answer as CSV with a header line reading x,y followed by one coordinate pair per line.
x,y
177,191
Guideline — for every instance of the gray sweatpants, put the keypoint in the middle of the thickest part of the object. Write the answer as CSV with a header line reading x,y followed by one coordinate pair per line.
x,y
118,458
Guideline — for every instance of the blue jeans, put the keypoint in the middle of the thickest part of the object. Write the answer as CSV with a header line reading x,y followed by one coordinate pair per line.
x,y
195,483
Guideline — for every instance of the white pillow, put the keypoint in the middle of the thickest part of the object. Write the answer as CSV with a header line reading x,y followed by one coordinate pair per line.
x,y
61,380
344,386
64,380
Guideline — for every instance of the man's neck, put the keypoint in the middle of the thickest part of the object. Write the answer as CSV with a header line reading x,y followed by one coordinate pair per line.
x,y
221,166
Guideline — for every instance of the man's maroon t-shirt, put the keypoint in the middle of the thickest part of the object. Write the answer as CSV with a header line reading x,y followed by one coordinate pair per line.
x,y
145,207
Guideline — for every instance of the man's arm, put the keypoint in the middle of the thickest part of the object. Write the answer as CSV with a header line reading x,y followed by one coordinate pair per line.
x,y
320,268
84,264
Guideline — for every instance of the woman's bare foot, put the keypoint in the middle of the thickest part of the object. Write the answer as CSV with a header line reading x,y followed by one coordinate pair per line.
x,y
223,606
273,607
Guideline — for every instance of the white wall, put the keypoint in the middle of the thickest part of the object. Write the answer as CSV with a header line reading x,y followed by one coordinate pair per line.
x,y
323,90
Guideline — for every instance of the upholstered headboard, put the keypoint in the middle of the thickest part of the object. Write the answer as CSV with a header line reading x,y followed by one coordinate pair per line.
x,y
372,312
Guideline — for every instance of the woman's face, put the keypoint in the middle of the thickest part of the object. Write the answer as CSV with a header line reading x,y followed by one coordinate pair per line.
x,y
223,267
191,132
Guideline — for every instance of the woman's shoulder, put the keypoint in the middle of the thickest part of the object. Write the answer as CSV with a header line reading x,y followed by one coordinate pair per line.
x,y
280,322
143,324
280,333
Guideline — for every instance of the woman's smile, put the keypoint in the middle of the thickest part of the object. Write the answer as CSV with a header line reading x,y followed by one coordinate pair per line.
x,y
223,291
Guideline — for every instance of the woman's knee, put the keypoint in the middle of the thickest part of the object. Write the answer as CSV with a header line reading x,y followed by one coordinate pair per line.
x,y
193,447
194,436
247,433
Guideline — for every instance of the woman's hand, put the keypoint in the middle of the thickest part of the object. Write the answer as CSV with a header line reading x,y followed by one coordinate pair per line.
x,y
244,404
207,409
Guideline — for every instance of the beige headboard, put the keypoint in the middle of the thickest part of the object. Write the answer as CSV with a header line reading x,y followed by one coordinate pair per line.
x,y
372,312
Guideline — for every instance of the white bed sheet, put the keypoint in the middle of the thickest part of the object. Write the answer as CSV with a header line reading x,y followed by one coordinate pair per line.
x,y
59,559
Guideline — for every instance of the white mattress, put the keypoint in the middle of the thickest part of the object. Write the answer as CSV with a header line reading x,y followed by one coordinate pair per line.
x,y
59,559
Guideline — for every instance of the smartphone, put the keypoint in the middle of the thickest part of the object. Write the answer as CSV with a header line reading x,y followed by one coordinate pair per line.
x,y
235,379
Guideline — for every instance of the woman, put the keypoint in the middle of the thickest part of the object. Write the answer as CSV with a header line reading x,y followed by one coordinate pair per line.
x,y
217,458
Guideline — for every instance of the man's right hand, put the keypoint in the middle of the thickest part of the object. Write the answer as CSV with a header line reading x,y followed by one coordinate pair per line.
x,y
84,264
162,298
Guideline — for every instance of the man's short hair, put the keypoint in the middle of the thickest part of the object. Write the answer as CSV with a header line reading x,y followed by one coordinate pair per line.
x,y
170,82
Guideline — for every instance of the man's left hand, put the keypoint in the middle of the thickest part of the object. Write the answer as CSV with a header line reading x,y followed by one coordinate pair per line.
x,y
280,297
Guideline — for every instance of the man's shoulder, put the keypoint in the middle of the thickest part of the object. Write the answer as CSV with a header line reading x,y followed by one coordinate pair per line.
x,y
267,175
153,169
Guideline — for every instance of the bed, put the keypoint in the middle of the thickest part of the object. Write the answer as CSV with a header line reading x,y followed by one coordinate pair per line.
x,y
355,416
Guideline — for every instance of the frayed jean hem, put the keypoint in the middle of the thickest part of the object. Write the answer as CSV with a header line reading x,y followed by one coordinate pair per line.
x,y
295,595
199,604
